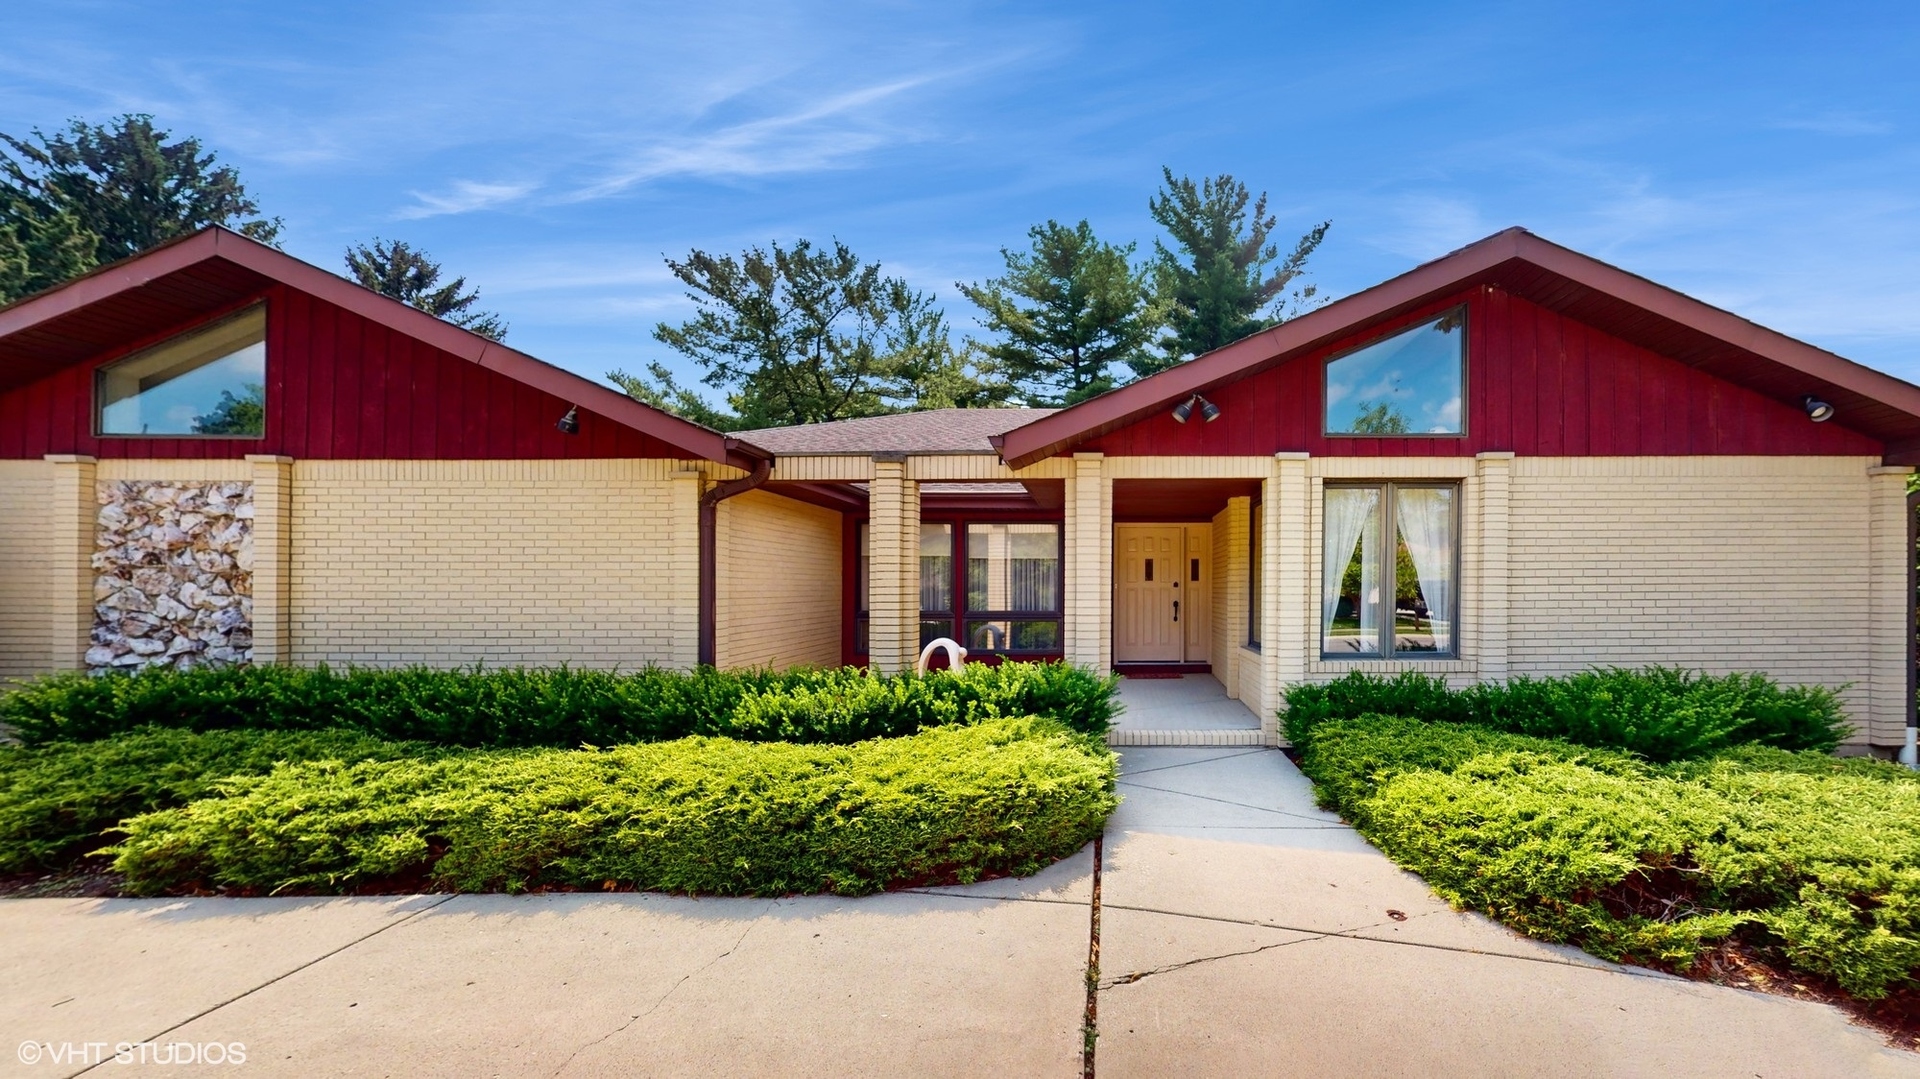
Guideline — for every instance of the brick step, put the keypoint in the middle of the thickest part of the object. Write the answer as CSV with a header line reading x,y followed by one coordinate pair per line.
x,y
1250,736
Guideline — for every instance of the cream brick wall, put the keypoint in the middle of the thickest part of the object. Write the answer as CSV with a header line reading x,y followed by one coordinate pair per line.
x,y
27,567
1724,563
593,563
1229,599
779,600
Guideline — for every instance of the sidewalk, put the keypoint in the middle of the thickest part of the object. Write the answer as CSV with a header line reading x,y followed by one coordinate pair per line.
x,y
1243,932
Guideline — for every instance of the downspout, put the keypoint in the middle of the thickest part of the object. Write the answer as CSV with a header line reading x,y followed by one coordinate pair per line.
x,y
1910,752
709,547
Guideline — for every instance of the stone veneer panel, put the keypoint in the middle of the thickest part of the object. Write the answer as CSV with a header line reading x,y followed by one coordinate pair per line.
x,y
173,575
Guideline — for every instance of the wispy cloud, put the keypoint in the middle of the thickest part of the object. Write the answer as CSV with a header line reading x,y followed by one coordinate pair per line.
x,y
1836,123
466,196
821,134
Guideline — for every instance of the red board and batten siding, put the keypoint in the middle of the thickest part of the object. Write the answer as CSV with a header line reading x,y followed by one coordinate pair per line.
x,y
339,386
1538,384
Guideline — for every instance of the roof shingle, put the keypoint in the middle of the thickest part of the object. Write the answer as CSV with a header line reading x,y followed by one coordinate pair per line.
x,y
940,430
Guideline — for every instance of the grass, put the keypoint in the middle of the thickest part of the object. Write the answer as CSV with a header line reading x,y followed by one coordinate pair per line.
x,y
1810,861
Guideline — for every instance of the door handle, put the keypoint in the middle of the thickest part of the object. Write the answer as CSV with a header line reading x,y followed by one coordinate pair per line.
x,y
1176,610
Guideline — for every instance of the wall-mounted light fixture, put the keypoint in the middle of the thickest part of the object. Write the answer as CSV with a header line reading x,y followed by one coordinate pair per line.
x,y
1209,411
570,423
1817,410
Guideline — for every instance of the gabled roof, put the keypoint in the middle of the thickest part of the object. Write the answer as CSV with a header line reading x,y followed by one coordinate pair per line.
x,y
939,430
215,267
1610,299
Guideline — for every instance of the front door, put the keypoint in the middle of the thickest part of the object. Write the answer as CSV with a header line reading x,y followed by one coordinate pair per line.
x,y
1148,624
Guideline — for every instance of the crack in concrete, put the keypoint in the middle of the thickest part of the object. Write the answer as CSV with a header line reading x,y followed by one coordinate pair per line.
x,y
1335,823
672,989
1090,1025
1140,975
1600,967
1187,764
409,916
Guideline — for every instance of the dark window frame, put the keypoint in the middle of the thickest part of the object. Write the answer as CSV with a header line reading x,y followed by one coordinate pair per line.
x,y
964,615
1389,650
99,375
1466,326
853,552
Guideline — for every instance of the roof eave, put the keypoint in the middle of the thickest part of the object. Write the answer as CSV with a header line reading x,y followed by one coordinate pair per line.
x,y
1478,261
216,242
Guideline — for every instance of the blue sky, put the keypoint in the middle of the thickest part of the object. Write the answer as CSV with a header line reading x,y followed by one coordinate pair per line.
x,y
1760,156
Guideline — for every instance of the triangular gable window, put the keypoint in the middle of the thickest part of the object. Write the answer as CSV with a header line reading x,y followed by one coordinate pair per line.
x,y
207,383
1408,383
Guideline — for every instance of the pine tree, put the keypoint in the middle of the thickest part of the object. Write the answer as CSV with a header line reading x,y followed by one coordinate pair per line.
x,y
1219,282
95,193
1068,311
398,270
802,334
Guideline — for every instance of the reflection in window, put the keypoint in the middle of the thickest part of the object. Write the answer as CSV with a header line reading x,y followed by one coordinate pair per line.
x,y
211,381
1349,575
1364,583
1013,570
1013,567
936,581
1423,569
1406,384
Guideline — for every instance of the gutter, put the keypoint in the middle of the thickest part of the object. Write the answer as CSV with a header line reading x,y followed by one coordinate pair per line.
x,y
709,543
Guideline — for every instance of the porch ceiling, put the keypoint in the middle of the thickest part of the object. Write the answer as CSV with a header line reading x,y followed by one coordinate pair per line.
x,y
1176,500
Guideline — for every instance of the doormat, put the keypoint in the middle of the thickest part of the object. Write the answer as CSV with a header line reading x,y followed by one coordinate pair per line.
x,y
1150,674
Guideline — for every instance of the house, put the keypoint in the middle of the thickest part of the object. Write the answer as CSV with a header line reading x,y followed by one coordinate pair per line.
x,y
1512,460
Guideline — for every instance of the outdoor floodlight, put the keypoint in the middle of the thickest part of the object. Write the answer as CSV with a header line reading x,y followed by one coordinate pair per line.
x,y
570,423
1209,411
1817,410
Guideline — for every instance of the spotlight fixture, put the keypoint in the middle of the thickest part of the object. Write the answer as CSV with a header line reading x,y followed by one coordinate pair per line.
x,y
570,423
1817,410
1183,411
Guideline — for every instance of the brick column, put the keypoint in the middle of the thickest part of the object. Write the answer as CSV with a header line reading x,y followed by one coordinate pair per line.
x,y
1289,605
1088,629
72,518
272,558
686,484
893,560
1888,554
1486,631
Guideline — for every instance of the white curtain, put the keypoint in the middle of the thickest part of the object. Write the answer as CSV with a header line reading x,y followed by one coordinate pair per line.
x,y
1352,517
1425,517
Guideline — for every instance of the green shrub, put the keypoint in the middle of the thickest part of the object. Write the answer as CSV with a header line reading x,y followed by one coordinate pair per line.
x,y
57,798
554,707
1661,713
1815,858
699,815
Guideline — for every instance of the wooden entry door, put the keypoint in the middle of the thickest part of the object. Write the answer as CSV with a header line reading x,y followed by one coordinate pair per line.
x,y
1148,622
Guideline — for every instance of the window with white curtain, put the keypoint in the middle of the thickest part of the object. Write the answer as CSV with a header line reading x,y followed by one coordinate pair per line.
x,y
1390,571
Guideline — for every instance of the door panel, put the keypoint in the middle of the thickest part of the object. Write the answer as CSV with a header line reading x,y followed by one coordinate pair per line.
x,y
1147,627
1196,593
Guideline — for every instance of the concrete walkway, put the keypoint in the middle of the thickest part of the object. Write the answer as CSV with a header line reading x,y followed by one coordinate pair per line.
x,y
1243,932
